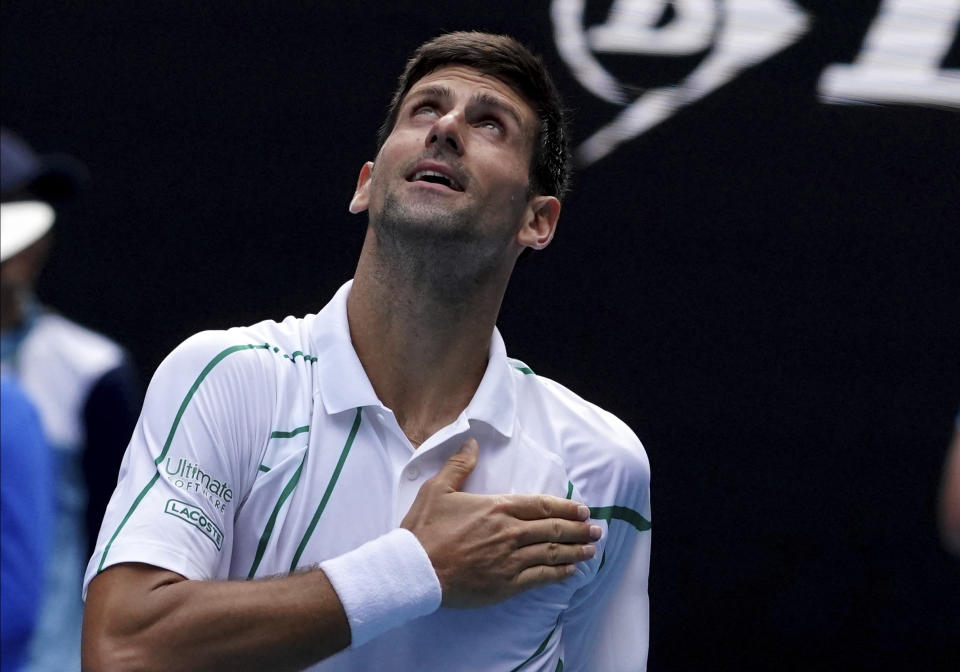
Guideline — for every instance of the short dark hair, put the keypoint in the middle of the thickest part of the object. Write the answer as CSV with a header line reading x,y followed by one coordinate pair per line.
x,y
506,59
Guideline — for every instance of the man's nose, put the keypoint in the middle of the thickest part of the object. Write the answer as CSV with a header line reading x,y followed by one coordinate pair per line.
x,y
448,132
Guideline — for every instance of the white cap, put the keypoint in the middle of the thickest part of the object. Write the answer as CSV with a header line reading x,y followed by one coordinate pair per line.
x,y
22,223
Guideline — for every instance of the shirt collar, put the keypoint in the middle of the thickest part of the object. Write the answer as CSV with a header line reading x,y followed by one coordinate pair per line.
x,y
495,401
344,384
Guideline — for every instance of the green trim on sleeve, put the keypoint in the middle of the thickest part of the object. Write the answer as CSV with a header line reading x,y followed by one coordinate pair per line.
x,y
329,490
623,513
268,530
173,430
123,522
289,435
559,666
293,356
525,370
569,489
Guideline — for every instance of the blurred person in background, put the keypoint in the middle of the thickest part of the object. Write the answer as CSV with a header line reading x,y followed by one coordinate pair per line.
x,y
27,500
82,384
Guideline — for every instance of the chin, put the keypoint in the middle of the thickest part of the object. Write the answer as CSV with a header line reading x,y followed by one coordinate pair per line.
x,y
420,219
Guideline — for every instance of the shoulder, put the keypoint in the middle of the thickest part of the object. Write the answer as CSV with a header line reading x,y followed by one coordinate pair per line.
x,y
205,351
599,450
267,340
574,419
88,352
240,362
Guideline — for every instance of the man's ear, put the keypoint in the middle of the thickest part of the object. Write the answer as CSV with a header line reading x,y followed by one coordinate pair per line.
x,y
361,197
542,215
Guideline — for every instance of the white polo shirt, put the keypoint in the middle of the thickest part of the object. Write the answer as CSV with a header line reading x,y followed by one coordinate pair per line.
x,y
264,449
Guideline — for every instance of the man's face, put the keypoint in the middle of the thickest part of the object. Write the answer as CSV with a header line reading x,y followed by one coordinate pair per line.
x,y
457,163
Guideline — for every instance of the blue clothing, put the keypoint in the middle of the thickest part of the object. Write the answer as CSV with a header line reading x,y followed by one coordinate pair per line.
x,y
84,390
27,496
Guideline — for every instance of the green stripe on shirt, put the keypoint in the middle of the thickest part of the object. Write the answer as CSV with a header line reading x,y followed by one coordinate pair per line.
x,y
540,649
623,513
268,530
289,435
327,493
173,430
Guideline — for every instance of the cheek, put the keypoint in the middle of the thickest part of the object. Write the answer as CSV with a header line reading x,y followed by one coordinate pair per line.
x,y
401,143
514,183
375,195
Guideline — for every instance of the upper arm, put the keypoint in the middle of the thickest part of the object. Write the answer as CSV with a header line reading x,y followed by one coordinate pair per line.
x,y
193,452
116,597
606,627
118,607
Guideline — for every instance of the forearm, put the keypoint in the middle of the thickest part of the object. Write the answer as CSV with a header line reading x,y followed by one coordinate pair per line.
x,y
279,624
142,617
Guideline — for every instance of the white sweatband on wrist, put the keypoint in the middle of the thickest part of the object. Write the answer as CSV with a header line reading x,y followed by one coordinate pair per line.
x,y
383,584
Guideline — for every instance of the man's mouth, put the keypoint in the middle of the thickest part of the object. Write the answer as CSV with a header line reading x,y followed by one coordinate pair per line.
x,y
435,177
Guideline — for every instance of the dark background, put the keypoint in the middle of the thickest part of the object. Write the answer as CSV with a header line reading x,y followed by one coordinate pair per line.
x,y
765,287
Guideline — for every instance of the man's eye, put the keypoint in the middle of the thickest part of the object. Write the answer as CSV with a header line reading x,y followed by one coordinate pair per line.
x,y
424,109
491,124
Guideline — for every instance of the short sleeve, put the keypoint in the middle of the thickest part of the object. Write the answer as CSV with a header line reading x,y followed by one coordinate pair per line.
x,y
193,453
606,627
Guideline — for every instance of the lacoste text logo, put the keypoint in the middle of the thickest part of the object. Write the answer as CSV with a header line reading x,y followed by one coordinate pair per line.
x,y
196,517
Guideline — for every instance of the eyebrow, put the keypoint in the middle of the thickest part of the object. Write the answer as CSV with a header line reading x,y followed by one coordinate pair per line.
x,y
483,98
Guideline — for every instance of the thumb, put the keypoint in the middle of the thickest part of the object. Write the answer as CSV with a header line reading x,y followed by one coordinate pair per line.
x,y
459,466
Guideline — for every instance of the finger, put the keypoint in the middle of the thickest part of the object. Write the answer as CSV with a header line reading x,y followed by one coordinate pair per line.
x,y
533,507
553,554
541,575
459,466
557,531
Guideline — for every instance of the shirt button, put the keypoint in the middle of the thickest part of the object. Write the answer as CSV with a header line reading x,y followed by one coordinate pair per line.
x,y
412,472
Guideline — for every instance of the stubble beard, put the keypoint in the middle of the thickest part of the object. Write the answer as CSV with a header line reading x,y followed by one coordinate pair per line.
x,y
440,252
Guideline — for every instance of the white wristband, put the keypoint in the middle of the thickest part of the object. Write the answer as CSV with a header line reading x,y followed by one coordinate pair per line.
x,y
383,584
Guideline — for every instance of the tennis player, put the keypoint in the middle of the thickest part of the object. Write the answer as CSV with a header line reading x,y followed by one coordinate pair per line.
x,y
322,493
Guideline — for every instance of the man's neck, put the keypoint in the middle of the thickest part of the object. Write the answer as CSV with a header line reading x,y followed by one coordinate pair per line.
x,y
424,349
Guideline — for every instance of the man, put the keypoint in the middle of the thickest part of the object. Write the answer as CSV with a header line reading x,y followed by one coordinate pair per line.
x,y
307,445
81,383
